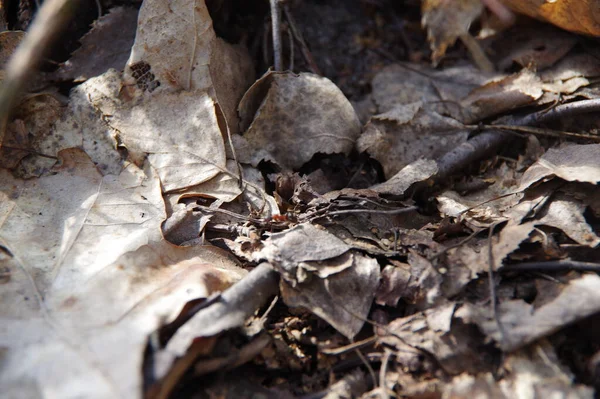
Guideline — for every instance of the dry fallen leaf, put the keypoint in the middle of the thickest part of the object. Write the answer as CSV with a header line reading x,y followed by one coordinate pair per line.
x,y
90,277
409,83
417,171
318,270
176,48
288,118
178,131
434,332
23,148
579,16
342,298
289,251
500,96
533,45
530,373
572,162
447,21
107,45
523,324
406,133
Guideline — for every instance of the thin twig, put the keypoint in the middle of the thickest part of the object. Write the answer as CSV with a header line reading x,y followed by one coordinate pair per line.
x,y
298,35
553,265
546,132
276,30
458,244
383,393
492,284
350,347
382,327
291,41
559,112
367,365
379,211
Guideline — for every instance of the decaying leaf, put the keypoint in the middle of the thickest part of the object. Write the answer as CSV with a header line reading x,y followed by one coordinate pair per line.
x,y
417,171
573,162
408,132
571,73
79,126
97,302
566,213
176,48
23,146
401,84
318,271
522,324
342,298
545,204
531,373
77,208
178,131
579,16
533,45
289,118
496,97
90,277
290,251
455,346
107,45
446,21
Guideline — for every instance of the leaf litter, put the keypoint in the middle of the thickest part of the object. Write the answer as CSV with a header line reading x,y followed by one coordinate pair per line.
x,y
456,270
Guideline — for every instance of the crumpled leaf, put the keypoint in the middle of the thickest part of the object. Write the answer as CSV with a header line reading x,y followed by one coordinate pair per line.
x,y
570,74
32,124
566,213
417,171
107,45
91,277
321,275
500,96
417,282
523,324
579,16
342,293
176,48
406,133
406,83
178,130
292,251
446,21
533,45
530,373
455,347
288,118
87,220
572,162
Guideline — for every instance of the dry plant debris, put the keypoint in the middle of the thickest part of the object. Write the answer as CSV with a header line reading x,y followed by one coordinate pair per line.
x,y
175,228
